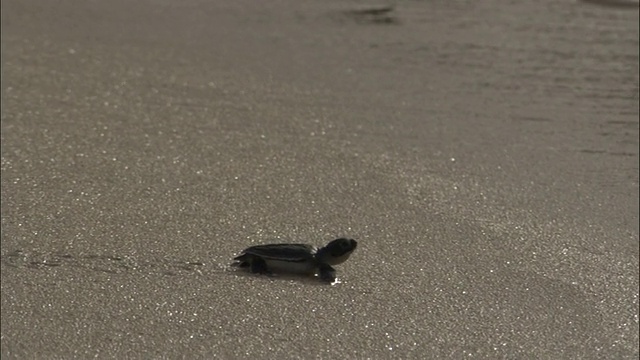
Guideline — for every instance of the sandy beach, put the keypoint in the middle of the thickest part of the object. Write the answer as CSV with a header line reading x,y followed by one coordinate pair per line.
x,y
483,154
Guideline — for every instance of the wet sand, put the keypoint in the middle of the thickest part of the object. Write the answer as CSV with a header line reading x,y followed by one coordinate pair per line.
x,y
485,156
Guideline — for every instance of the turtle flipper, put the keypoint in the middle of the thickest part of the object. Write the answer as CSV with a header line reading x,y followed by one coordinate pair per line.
x,y
259,266
241,261
327,273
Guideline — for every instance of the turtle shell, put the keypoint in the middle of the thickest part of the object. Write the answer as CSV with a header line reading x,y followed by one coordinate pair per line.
x,y
288,258
282,252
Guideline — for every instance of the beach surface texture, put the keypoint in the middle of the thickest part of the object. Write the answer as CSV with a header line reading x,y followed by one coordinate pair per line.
x,y
484,154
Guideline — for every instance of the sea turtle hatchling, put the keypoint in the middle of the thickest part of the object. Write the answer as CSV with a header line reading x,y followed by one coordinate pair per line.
x,y
297,258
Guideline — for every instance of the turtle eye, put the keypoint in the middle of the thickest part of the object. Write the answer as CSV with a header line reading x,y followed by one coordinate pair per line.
x,y
341,246
345,244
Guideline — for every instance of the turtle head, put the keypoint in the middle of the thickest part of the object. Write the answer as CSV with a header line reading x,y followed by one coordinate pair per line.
x,y
337,251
